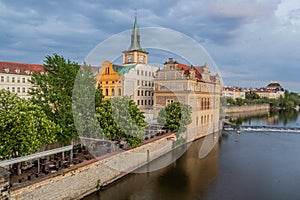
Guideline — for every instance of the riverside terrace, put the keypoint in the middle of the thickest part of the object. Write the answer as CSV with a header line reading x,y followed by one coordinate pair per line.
x,y
43,165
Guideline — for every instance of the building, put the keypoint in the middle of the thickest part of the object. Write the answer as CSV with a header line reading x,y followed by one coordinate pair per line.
x,y
15,77
134,78
274,86
191,85
233,92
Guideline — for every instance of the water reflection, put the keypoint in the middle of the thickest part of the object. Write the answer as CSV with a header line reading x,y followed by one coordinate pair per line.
x,y
186,178
250,165
276,118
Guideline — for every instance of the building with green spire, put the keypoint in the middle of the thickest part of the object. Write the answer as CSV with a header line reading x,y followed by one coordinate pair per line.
x,y
135,54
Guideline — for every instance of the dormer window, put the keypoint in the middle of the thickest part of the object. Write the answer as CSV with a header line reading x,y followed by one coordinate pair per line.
x,y
17,71
27,72
6,70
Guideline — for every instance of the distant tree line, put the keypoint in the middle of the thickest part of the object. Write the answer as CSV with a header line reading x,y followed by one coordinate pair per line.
x,y
289,101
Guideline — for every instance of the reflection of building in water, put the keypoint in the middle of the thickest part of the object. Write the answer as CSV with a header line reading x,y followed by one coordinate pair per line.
x,y
192,85
134,78
274,120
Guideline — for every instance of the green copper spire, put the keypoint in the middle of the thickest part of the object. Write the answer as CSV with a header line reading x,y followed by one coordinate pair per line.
x,y
135,37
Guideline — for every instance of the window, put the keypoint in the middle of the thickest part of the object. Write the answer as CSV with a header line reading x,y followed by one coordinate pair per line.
x,y
23,90
138,72
18,80
18,89
106,92
23,80
197,119
142,73
7,79
112,82
142,102
142,93
149,102
169,101
145,102
2,78
145,73
107,70
138,93
13,89
120,92
106,82
138,82
113,92
138,102
142,83
13,79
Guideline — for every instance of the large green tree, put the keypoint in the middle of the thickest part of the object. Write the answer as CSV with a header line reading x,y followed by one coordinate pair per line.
x,y
176,116
52,91
24,127
86,98
121,119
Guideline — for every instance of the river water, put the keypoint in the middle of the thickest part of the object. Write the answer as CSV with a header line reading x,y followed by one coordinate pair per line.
x,y
249,165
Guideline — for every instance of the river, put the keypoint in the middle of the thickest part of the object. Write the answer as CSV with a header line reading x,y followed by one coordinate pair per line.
x,y
250,165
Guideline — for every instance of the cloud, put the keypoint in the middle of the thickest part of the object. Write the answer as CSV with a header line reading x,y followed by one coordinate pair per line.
x,y
250,41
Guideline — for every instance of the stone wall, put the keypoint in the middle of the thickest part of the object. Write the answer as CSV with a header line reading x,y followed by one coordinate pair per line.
x,y
4,184
237,110
83,179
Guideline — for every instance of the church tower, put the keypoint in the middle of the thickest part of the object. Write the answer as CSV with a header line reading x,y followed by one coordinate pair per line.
x,y
135,54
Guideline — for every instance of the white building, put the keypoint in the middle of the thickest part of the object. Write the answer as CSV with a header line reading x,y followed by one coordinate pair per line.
x,y
15,77
138,85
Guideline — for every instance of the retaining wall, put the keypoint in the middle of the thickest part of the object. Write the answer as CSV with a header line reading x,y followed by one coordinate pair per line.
x,y
235,111
83,179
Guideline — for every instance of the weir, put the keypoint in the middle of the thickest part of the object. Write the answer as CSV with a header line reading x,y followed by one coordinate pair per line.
x,y
231,127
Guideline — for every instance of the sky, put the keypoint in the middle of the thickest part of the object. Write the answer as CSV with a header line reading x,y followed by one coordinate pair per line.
x,y
252,42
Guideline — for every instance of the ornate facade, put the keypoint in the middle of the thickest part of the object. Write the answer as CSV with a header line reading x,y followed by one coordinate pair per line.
x,y
194,86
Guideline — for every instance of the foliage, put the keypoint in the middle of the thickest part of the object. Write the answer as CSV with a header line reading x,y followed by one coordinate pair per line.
x,y
85,97
176,116
24,127
53,92
290,100
120,119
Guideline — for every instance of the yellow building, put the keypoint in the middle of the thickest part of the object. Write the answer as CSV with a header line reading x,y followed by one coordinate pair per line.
x,y
110,80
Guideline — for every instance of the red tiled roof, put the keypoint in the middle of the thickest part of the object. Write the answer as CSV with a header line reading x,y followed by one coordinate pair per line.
x,y
183,66
198,70
20,68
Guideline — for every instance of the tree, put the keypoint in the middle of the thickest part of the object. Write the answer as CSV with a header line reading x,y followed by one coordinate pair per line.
x,y
24,127
120,119
52,91
176,116
85,100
